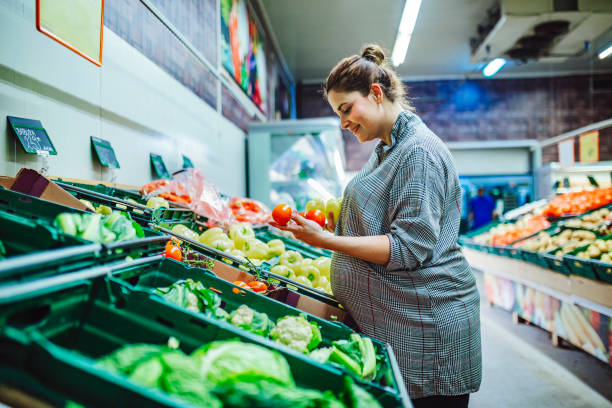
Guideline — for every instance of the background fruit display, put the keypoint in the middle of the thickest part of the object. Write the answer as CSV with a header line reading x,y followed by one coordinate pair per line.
x,y
564,242
578,202
506,234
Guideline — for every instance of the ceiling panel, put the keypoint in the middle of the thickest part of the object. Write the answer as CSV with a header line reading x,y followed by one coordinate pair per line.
x,y
314,34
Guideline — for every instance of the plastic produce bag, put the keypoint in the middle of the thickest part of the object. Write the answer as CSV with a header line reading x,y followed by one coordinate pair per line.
x,y
196,192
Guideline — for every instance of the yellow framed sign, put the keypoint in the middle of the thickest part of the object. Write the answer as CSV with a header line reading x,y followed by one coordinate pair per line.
x,y
76,24
589,147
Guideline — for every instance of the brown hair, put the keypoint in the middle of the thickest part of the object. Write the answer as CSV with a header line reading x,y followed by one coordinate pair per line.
x,y
359,72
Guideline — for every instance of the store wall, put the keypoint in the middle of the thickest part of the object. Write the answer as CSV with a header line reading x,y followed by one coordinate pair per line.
x,y
130,101
493,109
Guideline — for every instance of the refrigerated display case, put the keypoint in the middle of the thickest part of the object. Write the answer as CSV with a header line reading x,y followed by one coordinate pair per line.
x,y
293,161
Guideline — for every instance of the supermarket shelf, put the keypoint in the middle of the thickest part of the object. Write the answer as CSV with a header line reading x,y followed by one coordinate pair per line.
x,y
575,289
552,283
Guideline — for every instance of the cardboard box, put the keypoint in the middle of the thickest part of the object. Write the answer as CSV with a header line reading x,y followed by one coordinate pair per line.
x,y
31,182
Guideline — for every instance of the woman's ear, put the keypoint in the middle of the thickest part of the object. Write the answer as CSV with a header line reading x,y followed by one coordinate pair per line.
x,y
376,92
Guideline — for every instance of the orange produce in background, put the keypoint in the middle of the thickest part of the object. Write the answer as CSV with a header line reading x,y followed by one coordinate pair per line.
x,y
249,210
578,202
534,224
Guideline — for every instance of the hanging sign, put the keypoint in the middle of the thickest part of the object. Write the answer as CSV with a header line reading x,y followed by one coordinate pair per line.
x,y
566,153
159,166
105,152
589,147
76,24
32,135
187,164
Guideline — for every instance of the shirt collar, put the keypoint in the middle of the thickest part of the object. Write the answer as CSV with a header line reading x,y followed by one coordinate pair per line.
x,y
398,132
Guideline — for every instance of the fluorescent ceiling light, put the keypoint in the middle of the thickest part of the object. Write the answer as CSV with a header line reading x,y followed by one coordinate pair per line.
x,y
493,67
605,52
404,32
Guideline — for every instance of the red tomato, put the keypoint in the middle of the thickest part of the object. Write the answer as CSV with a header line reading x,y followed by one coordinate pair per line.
x,y
173,252
317,216
258,286
282,214
241,284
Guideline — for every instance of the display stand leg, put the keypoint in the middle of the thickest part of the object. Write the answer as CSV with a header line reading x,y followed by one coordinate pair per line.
x,y
515,318
556,341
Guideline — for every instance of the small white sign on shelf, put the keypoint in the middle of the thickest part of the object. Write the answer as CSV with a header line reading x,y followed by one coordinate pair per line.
x,y
566,153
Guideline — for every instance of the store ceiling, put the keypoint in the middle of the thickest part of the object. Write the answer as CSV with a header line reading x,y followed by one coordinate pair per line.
x,y
314,34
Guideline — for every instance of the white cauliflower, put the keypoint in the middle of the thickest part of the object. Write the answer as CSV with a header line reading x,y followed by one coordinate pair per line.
x,y
296,332
242,316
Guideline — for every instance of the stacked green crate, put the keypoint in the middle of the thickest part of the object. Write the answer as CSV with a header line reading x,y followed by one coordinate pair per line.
x,y
155,274
583,262
99,196
54,331
34,218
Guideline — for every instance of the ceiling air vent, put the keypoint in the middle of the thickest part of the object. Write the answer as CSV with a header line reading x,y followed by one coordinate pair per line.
x,y
542,30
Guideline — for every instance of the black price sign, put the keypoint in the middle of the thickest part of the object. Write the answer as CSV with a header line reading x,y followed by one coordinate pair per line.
x,y
32,135
105,152
187,164
159,166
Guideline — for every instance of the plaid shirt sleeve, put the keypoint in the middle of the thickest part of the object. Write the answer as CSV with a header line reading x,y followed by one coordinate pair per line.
x,y
416,212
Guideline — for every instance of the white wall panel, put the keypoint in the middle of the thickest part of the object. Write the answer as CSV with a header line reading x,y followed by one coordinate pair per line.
x,y
491,161
130,101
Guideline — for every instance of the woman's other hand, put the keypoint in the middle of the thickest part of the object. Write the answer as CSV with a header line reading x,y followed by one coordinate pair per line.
x,y
303,229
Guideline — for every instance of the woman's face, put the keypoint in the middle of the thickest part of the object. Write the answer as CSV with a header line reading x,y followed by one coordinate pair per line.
x,y
361,115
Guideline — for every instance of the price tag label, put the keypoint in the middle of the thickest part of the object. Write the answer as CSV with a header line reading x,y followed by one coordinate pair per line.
x,y
105,152
187,164
159,166
32,136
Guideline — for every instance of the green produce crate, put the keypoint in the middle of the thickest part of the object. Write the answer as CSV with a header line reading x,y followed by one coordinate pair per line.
x,y
46,263
471,234
588,268
20,235
534,257
54,335
34,208
198,226
107,190
580,267
163,273
139,212
263,270
602,270
556,264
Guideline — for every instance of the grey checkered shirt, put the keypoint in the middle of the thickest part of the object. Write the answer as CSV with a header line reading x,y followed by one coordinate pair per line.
x,y
424,302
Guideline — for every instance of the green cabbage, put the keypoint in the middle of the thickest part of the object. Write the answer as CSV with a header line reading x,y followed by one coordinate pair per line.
x,y
223,361
194,297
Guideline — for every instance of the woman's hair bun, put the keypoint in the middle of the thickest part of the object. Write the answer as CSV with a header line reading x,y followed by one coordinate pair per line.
x,y
374,53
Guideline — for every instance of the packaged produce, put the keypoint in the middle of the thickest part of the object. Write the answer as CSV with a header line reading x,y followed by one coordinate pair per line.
x,y
249,210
